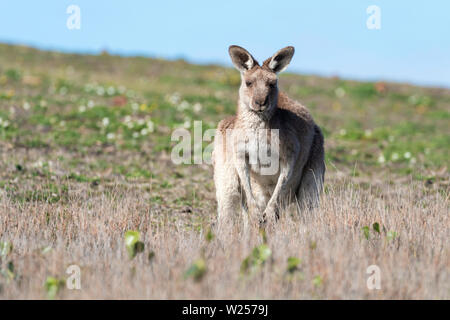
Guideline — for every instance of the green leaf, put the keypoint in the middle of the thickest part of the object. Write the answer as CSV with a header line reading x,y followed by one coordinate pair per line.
x,y
46,250
366,232
132,243
52,286
8,273
391,235
317,281
131,237
256,259
10,267
262,253
209,236
293,263
139,247
151,256
245,265
376,227
197,270
263,235
5,248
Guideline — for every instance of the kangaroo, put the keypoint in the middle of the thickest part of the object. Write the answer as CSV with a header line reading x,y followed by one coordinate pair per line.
x,y
298,147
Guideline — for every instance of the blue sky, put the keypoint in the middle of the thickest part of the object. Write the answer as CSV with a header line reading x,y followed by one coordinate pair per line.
x,y
330,37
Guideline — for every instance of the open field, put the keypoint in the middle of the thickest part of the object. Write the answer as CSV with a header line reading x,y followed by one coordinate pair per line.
x,y
85,156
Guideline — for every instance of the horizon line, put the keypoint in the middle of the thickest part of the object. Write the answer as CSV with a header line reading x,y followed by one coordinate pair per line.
x,y
193,61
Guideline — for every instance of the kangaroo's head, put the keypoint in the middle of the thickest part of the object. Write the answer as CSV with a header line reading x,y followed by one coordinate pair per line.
x,y
259,84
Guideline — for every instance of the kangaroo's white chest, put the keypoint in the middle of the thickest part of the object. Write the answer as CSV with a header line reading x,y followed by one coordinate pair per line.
x,y
263,154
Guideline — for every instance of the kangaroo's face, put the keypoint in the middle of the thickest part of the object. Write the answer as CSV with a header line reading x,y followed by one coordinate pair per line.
x,y
259,84
259,89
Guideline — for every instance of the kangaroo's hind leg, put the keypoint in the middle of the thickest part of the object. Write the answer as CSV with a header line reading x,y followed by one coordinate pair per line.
x,y
228,193
311,184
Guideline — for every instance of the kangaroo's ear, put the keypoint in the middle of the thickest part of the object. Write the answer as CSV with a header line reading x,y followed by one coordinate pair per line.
x,y
241,58
280,60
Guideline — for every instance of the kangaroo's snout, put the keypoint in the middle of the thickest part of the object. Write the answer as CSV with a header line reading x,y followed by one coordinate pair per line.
x,y
261,102
259,106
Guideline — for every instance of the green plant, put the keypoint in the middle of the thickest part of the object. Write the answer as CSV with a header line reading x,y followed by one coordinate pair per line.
x,y
53,286
13,74
5,248
151,256
366,232
9,272
317,281
256,259
376,227
133,243
209,236
197,270
391,235
293,263
46,249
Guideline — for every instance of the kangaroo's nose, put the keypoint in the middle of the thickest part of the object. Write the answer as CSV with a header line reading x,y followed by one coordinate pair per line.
x,y
261,102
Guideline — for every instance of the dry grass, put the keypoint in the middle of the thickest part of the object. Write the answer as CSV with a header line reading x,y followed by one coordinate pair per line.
x,y
88,231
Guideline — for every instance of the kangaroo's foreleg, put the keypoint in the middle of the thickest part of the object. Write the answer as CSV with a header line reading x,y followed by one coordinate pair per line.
x,y
283,188
242,166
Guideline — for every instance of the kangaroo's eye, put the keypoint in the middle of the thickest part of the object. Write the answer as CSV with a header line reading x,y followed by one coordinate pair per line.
x,y
248,83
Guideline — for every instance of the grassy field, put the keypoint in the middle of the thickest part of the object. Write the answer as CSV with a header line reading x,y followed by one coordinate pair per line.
x,y
85,145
